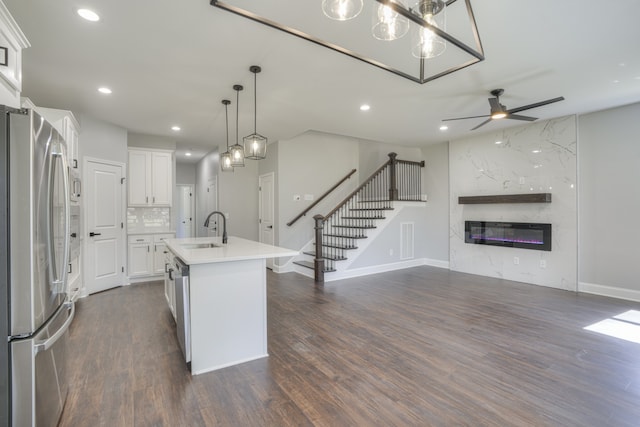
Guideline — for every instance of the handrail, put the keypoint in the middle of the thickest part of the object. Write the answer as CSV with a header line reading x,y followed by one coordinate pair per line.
x,y
312,205
367,181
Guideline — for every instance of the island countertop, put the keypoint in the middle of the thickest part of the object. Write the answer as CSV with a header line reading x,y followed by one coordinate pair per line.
x,y
236,249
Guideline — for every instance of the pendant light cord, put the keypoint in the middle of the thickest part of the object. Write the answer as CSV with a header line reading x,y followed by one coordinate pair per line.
x,y
226,115
237,112
255,102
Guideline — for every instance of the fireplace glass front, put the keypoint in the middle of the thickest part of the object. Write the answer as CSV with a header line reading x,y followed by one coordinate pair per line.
x,y
524,235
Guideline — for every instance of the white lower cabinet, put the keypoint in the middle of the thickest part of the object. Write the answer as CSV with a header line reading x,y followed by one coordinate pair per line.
x,y
169,284
147,254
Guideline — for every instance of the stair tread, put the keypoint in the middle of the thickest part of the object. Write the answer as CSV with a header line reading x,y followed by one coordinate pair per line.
x,y
344,236
310,265
343,247
363,217
359,227
371,209
326,256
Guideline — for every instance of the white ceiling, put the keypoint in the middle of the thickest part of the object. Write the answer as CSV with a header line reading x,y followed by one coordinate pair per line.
x,y
172,62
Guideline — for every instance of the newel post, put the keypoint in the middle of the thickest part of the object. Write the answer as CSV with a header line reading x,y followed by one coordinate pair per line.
x,y
393,188
318,262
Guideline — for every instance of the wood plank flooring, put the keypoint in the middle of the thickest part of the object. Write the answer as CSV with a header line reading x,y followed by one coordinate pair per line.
x,y
417,347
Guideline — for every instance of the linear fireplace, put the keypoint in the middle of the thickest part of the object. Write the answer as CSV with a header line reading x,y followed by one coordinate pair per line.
x,y
524,235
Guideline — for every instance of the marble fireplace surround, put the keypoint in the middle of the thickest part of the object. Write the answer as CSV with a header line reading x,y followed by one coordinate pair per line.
x,y
535,158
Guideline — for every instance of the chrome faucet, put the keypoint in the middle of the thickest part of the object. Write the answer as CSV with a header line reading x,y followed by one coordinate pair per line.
x,y
224,224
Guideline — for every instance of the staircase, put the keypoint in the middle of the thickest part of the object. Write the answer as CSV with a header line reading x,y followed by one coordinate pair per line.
x,y
340,230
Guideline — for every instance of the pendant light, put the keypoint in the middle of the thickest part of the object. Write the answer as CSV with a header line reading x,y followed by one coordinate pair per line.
x,y
424,42
236,150
225,158
341,10
389,25
255,145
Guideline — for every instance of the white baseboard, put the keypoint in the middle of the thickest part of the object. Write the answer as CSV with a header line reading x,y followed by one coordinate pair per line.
x,y
365,271
436,263
609,291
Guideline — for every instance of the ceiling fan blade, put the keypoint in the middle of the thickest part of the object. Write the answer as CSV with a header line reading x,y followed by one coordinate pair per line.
x,y
495,104
537,104
463,118
482,124
518,117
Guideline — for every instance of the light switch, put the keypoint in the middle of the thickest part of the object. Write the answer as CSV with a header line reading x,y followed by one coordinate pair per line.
x,y
296,197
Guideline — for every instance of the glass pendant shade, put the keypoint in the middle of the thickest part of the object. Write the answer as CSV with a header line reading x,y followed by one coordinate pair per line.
x,y
425,43
388,25
255,145
236,150
341,10
225,158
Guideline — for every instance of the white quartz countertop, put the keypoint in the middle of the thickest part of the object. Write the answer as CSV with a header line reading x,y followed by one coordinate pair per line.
x,y
236,249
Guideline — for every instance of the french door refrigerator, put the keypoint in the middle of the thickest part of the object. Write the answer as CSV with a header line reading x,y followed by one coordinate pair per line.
x,y
34,254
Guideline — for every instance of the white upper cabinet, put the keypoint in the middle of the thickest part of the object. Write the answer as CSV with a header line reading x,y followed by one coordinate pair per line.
x,y
150,178
12,41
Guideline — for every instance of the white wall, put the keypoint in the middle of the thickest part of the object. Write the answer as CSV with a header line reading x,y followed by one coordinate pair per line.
x,y
151,141
435,184
206,169
101,140
186,173
609,203
478,166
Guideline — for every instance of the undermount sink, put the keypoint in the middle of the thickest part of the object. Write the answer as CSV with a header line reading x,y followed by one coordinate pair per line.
x,y
200,245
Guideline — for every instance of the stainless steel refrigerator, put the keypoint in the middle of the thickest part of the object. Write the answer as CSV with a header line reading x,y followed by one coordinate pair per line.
x,y
34,254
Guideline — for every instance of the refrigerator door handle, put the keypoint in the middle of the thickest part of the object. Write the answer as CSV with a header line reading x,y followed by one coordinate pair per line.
x,y
46,344
62,280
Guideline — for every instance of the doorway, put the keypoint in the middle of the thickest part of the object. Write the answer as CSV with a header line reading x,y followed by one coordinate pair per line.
x,y
104,233
266,211
211,204
185,211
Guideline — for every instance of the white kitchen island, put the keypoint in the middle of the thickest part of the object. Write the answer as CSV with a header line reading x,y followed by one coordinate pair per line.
x,y
227,297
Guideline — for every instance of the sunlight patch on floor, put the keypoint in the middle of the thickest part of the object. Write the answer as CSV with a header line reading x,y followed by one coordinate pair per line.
x,y
624,326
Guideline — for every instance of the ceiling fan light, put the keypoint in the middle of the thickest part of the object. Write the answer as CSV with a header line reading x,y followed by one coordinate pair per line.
x,y
341,10
498,115
388,25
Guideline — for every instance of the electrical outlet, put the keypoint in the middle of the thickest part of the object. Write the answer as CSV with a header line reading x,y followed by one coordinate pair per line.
x,y
521,180
516,260
543,263
391,252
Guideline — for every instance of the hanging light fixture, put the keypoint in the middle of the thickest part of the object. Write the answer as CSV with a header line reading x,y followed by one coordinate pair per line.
x,y
425,43
255,145
236,150
342,10
389,25
225,158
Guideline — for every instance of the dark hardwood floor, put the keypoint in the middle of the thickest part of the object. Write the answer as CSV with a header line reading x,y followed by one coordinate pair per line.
x,y
417,347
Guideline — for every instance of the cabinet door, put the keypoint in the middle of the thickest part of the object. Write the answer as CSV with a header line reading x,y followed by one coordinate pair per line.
x,y
139,177
159,249
161,179
140,259
71,138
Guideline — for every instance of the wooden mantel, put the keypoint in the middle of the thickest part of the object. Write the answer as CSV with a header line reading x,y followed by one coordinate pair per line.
x,y
506,198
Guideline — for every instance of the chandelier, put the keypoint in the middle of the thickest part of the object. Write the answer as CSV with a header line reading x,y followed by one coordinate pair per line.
x,y
420,40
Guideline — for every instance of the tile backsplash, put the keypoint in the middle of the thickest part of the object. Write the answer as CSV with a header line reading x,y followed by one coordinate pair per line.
x,y
148,219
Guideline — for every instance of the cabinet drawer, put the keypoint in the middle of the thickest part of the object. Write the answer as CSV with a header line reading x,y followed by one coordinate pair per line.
x,y
159,238
140,239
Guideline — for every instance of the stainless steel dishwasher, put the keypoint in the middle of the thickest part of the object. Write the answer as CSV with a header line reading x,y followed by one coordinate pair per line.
x,y
183,311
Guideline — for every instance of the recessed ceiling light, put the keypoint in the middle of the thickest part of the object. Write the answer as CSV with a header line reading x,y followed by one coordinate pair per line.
x,y
498,142
89,15
536,151
188,154
175,128
444,127
104,90
365,107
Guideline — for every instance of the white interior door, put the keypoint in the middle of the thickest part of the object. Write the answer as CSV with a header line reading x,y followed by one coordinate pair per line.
x,y
185,211
105,226
265,211
212,205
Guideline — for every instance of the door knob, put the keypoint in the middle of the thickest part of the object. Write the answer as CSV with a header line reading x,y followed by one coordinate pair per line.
x,y
269,226
94,234
74,235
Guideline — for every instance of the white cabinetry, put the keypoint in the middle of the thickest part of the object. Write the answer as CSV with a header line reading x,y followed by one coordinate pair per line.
x,y
150,178
66,124
12,41
147,254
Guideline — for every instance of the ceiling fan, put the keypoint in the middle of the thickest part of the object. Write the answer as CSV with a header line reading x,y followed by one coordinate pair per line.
x,y
499,111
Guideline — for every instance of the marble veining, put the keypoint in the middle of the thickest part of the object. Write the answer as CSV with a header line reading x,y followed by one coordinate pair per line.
x,y
537,157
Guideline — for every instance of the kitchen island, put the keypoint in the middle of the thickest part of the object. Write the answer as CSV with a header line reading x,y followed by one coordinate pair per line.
x,y
227,297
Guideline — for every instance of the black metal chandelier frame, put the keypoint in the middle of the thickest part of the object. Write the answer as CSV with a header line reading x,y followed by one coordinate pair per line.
x,y
476,52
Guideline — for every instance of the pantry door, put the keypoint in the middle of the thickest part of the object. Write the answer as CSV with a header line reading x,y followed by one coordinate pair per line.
x,y
104,232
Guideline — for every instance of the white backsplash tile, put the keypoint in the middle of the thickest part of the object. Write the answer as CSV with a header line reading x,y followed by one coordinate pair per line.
x,y
141,220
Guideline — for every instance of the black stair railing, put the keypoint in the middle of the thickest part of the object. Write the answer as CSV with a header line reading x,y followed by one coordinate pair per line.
x,y
339,230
